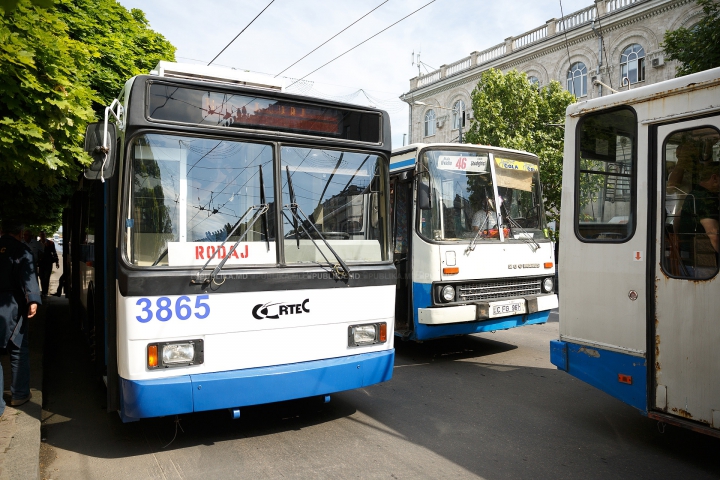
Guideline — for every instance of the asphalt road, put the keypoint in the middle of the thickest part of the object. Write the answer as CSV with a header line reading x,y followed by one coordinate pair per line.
x,y
484,406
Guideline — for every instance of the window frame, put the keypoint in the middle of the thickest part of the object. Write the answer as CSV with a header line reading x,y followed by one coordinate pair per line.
x,y
460,114
633,180
640,60
570,79
430,119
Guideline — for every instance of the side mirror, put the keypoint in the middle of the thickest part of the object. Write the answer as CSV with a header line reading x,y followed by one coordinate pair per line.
x,y
103,164
423,195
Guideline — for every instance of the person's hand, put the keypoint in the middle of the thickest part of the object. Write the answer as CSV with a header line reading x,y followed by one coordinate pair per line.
x,y
32,310
57,264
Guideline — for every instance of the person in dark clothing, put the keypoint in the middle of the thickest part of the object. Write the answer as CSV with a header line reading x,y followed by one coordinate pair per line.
x,y
19,298
48,257
700,214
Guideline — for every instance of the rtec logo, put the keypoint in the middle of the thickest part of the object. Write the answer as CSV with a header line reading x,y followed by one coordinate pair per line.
x,y
275,310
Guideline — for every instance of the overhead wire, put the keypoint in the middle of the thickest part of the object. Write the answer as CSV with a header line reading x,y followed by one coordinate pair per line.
x,y
365,41
562,16
241,31
326,41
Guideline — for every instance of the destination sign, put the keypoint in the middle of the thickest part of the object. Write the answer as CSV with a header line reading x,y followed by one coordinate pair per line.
x,y
208,108
462,163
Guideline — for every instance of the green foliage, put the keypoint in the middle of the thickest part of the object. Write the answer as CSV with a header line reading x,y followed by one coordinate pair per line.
x,y
59,67
696,48
123,41
511,112
45,101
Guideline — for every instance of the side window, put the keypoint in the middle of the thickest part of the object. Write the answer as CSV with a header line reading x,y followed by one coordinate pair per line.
x,y
691,169
605,179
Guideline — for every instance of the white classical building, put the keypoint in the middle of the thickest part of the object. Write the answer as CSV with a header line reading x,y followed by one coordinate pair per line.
x,y
615,43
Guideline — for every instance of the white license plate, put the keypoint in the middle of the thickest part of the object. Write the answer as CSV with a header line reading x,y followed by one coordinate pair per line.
x,y
507,307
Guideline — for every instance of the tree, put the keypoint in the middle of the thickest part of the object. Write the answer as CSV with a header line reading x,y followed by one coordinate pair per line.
x,y
45,103
511,112
123,40
696,48
59,67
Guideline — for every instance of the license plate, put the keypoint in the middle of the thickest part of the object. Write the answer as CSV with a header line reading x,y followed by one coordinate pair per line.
x,y
507,307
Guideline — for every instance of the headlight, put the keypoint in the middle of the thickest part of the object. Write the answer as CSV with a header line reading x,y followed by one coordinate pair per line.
x,y
447,293
548,284
178,353
175,354
369,334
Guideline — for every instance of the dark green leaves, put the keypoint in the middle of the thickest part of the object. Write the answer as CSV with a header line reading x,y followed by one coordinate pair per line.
x,y
696,48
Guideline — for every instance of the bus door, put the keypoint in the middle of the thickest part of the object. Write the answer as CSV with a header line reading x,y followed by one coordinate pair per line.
x,y
686,330
401,204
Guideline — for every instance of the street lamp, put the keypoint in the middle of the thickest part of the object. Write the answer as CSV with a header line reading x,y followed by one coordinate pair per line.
x,y
416,102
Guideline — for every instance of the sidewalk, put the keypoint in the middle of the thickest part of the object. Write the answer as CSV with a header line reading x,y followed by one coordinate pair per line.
x,y
20,427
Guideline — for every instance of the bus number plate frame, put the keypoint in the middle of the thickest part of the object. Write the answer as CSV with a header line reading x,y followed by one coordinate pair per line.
x,y
507,307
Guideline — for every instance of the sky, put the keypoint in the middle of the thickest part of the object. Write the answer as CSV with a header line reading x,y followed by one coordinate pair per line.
x,y
375,73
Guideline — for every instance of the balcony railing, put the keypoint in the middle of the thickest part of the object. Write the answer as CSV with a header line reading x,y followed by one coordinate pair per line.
x,y
586,15
551,28
531,37
458,66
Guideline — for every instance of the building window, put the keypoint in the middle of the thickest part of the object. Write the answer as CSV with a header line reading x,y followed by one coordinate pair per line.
x,y
458,114
577,79
534,80
632,64
430,123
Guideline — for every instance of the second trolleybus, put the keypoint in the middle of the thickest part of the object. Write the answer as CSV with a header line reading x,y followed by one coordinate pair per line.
x,y
469,239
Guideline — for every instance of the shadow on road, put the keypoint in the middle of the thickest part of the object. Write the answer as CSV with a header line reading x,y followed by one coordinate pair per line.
x,y
494,421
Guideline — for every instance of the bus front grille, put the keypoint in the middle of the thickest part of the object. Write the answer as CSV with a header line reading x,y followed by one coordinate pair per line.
x,y
498,289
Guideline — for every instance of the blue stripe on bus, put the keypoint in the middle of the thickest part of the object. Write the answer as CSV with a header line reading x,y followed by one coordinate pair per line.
x,y
404,163
422,299
601,369
253,386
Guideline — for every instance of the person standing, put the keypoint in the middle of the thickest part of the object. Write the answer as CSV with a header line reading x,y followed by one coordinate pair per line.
x,y
35,247
19,298
48,257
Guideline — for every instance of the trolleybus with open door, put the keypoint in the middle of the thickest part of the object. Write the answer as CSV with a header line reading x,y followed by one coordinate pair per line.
x,y
639,243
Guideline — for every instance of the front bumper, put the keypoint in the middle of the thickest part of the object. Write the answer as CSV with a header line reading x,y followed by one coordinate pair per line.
x,y
253,386
442,315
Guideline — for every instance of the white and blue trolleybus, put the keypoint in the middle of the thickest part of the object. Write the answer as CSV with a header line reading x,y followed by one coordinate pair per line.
x,y
639,247
229,246
470,240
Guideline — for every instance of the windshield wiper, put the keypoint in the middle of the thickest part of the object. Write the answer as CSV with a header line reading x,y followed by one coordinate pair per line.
x,y
528,237
260,211
341,269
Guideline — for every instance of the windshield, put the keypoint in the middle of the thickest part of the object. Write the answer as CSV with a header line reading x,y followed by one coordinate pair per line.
x,y
189,193
338,196
463,203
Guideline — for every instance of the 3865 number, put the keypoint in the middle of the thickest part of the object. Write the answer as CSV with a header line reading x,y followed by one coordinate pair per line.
x,y
164,308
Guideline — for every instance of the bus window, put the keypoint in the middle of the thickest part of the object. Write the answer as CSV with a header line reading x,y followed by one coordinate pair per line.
x,y
691,160
605,179
336,193
189,189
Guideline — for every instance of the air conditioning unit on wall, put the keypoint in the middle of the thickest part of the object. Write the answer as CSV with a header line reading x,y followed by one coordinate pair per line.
x,y
469,114
658,62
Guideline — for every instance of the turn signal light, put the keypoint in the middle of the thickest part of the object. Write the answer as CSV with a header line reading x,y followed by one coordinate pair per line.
x,y
548,264
152,354
625,378
383,333
451,270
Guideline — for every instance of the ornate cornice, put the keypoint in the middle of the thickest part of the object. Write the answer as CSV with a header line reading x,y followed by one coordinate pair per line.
x,y
555,43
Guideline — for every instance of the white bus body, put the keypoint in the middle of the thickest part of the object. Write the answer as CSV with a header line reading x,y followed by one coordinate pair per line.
x,y
496,278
